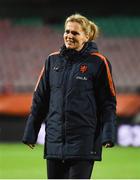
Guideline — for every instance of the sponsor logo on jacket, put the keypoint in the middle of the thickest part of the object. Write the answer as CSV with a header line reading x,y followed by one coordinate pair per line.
x,y
82,78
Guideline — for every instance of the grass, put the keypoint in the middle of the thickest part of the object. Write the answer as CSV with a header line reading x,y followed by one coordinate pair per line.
x,y
17,161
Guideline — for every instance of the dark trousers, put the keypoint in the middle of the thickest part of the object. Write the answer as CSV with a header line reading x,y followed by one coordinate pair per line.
x,y
69,169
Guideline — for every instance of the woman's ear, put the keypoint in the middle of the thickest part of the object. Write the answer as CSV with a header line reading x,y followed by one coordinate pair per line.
x,y
87,37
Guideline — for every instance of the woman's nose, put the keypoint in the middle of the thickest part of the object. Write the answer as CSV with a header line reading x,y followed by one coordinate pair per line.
x,y
70,35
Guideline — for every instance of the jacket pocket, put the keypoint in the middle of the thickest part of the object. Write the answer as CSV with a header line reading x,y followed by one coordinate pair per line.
x,y
92,104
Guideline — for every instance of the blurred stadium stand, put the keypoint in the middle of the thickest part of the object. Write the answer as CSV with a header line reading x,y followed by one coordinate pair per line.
x,y
25,43
23,50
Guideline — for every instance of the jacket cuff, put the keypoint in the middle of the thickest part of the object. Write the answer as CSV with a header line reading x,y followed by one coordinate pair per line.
x,y
109,133
30,135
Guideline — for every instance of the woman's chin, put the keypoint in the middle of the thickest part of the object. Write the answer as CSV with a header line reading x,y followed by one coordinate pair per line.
x,y
69,46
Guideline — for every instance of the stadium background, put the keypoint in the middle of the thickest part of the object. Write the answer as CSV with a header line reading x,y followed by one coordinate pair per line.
x,y
29,31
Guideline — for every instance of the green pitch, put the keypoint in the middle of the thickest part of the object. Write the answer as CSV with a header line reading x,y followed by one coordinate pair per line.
x,y
17,161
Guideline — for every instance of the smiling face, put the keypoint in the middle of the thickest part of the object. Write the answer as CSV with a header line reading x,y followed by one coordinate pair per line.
x,y
74,36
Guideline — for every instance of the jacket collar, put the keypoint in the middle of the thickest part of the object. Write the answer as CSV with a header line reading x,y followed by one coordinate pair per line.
x,y
72,54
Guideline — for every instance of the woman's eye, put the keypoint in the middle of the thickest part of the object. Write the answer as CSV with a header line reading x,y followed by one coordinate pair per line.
x,y
67,31
74,33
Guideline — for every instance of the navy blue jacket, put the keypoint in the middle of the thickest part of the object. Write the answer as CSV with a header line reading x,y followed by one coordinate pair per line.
x,y
75,97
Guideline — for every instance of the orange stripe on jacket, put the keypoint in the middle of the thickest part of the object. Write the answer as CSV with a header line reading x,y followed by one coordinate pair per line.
x,y
57,52
54,53
111,85
39,78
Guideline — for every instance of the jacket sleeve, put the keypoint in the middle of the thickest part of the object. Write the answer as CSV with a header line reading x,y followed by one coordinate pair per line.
x,y
106,102
39,108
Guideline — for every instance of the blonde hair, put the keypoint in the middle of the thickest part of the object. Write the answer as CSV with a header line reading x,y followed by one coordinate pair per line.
x,y
89,27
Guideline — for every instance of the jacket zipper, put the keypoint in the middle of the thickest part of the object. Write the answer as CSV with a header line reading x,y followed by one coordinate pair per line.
x,y
64,82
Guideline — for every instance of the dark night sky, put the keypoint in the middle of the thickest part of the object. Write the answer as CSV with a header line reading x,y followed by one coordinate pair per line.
x,y
60,8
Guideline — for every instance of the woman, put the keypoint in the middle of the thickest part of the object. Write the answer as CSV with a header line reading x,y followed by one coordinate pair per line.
x,y
75,95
